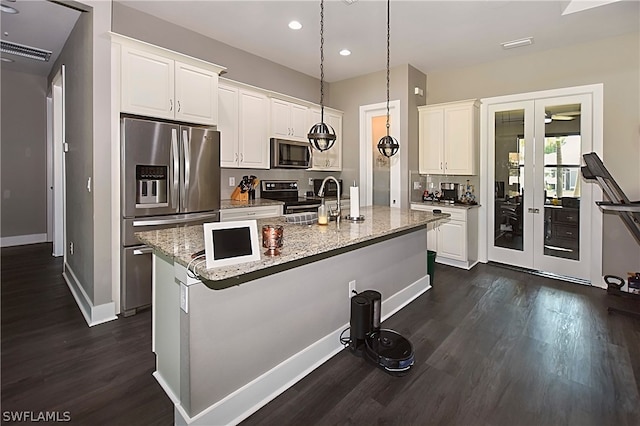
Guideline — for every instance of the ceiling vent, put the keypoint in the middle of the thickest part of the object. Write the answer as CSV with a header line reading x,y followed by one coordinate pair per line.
x,y
25,51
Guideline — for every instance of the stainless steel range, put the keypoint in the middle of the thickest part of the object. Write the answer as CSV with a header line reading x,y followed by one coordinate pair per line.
x,y
287,192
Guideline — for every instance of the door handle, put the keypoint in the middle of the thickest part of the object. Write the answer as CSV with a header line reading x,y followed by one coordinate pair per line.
x,y
176,166
146,250
187,167
531,210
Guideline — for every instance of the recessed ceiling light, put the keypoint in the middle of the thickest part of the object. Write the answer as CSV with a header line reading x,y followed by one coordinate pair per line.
x,y
8,9
345,52
6,59
517,43
295,25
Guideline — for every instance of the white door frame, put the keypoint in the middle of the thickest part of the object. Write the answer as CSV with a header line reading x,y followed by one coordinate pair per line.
x,y
367,112
55,164
596,93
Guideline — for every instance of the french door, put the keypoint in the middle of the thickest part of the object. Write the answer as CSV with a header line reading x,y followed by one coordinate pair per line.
x,y
538,213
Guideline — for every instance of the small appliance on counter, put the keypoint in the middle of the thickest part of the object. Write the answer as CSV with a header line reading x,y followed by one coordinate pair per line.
x,y
386,349
449,192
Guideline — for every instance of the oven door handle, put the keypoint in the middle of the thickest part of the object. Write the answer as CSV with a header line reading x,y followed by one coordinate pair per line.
x,y
302,207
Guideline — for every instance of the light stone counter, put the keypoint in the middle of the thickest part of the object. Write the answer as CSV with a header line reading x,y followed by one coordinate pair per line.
x,y
302,243
258,202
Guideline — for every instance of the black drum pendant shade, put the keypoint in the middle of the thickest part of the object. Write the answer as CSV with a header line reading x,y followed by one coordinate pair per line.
x,y
321,135
388,145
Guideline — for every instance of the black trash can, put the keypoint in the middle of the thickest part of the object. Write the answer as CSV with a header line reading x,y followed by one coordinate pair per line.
x,y
431,264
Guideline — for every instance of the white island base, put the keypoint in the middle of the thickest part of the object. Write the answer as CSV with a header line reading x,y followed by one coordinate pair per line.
x,y
232,351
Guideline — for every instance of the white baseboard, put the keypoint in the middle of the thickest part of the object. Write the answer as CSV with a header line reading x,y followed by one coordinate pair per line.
x,y
21,240
254,395
457,263
93,315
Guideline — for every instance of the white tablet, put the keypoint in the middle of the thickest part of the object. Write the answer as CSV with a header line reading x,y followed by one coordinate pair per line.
x,y
229,243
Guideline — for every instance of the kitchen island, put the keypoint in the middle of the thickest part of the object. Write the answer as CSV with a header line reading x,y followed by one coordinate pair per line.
x,y
228,340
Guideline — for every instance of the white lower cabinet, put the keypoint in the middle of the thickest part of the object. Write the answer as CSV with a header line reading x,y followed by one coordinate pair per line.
x,y
455,239
244,213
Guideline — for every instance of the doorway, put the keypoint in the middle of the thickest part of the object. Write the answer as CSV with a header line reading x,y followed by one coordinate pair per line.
x,y
379,176
56,179
538,212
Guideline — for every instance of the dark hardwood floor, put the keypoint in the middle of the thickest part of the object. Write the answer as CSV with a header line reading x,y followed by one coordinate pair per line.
x,y
53,362
493,347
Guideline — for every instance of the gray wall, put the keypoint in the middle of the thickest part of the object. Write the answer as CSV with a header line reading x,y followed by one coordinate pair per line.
x,y
615,62
77,58
24,154
349,95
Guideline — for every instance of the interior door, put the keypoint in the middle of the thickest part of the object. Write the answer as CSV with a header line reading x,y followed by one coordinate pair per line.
x,y
538,211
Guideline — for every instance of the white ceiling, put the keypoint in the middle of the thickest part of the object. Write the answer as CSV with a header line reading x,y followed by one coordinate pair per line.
x,y
40,24
428,34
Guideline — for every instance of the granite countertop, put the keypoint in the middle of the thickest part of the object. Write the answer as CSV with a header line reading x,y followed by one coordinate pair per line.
x,y
446,205
302,243
258,202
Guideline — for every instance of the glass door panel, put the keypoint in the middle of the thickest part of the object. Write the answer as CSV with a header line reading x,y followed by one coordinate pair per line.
x,y
509,179
511,133
562,225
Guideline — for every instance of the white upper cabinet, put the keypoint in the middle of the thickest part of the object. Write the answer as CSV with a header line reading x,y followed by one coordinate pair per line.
x,y
196,94
330,160
289,120
147,83
156,82
448,138
244,127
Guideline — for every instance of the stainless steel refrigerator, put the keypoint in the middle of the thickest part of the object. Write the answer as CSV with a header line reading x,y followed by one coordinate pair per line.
x,y
170,177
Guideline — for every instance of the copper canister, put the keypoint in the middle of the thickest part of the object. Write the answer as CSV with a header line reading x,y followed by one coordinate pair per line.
x,y
272,239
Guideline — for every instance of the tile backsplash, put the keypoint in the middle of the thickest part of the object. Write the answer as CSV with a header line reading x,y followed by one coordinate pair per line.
x,y
419,183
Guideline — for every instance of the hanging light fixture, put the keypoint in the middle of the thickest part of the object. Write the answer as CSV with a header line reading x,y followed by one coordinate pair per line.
x,y
388,145
321,136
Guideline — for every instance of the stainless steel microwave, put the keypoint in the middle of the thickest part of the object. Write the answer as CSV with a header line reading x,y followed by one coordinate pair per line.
x,y
286,154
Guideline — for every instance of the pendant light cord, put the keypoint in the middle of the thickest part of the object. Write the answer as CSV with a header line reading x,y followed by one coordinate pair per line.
x,y
388,54
322,61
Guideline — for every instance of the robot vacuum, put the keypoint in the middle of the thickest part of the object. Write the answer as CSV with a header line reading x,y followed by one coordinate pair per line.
x,y
386,349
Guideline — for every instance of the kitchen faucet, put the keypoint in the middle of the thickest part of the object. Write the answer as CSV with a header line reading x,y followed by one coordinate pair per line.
x,y
321,194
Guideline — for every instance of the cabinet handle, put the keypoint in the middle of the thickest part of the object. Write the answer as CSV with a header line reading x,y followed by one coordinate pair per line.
x,y
441,168
241,157
170,104
569,217
236,157
178,106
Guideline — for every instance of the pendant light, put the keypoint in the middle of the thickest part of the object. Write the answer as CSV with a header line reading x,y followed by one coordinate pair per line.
x,y
321,136
388,145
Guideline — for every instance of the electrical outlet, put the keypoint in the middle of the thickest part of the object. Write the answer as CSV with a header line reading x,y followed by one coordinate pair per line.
x,y
417,185
71,247
310,181
232,181
352,288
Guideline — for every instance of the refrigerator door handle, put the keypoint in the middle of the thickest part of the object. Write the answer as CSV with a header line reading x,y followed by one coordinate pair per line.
x,y
174,221
187,168
176,167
